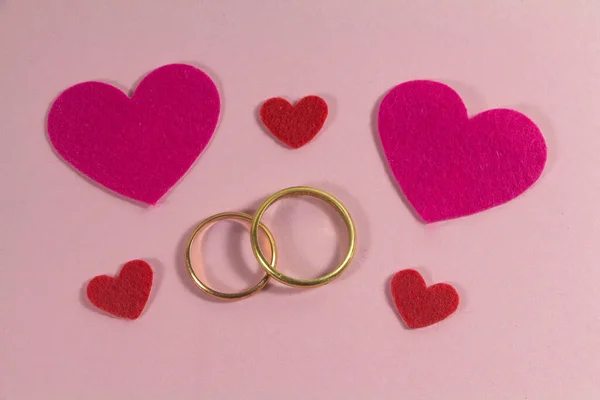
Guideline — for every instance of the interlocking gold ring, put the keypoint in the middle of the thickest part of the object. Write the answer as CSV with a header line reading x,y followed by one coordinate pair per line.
x,y
222,295
269,267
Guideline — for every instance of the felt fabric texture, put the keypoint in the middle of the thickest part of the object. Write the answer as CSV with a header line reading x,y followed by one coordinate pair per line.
x,y
126,295
448,165
138,147
419,305
296,125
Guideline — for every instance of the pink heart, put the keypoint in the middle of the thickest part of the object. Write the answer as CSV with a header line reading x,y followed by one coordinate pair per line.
x,y
141,146
448,165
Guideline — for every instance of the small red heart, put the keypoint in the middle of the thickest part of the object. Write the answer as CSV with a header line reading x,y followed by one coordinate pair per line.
x,y
126,295
294,125
420,305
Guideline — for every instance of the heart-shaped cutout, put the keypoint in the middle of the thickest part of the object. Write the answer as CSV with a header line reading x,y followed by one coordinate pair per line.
x,y
138,147
419,305
126,295
294,125
448,165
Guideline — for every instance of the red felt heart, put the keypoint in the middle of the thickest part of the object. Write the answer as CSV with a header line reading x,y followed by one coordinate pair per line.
x,y
294,125
126,295
420,305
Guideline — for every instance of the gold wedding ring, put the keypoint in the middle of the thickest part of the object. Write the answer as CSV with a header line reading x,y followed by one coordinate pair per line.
x,y
270,266
316,193
204,225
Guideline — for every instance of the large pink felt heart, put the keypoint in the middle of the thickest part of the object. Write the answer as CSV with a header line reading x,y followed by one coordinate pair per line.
x,y
141,146
448,165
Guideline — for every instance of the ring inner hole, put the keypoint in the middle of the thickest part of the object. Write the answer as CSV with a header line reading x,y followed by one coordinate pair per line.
x,y
222,257
311,236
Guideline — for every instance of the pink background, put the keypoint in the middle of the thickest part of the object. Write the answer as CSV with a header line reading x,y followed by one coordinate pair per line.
x,y
528,325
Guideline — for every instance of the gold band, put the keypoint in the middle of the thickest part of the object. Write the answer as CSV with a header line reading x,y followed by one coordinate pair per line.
x,y
269,267
238,295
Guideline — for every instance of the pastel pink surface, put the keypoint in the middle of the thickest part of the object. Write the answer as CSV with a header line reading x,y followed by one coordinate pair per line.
x,y
448,165
141,146
527,272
